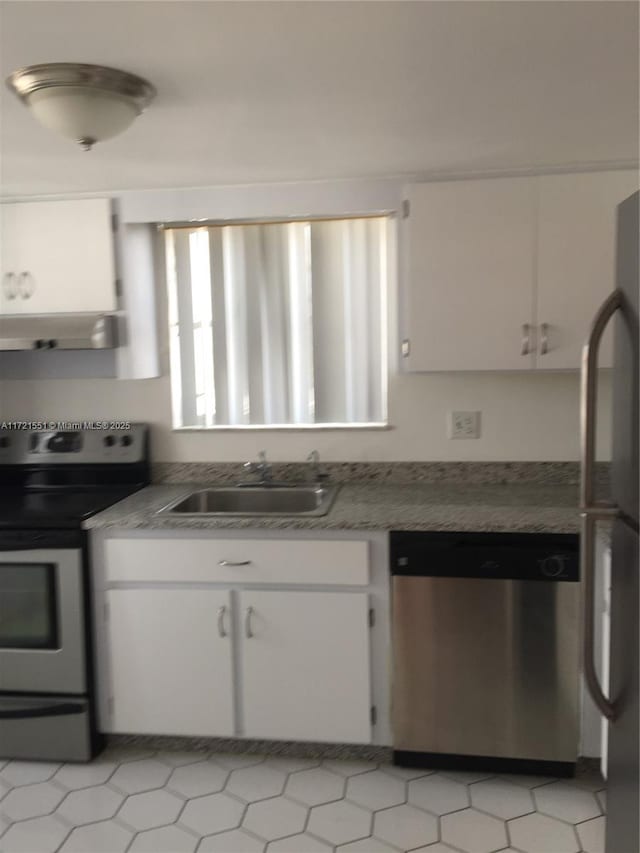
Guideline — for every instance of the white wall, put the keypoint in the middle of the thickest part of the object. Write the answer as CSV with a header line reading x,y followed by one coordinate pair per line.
x,y
524,417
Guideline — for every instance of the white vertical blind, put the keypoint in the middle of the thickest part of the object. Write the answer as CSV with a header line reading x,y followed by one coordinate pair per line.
x,y
278,323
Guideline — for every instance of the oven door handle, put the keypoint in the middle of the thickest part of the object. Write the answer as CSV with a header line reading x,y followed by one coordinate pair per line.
x,y
61,709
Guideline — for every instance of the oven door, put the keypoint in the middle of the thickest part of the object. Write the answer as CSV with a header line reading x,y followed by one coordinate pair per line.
x,y
42,642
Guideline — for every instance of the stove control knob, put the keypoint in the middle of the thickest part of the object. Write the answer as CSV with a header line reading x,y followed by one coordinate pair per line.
x,y
126,440
108,441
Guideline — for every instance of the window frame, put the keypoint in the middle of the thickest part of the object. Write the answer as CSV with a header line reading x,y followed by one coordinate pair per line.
x,y
393,217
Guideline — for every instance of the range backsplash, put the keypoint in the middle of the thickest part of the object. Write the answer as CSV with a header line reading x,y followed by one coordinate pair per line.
x,y
472,473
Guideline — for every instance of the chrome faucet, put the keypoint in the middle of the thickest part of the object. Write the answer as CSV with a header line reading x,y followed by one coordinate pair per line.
x,y
317,475
262,468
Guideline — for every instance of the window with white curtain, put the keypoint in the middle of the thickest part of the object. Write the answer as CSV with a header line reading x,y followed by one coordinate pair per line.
x,y
278,323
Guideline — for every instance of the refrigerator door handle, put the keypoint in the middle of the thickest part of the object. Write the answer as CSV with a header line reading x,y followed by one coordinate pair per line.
x,y
592,510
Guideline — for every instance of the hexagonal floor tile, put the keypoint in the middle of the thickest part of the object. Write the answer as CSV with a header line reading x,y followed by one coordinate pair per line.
x,y
291,765
213,813
405,827
367,845
527,781
181,757
501,798
566,802
314,787
137,776
4,823
439,848
235,761
340,822
194,780
27,772
151,809
75,776
591,835
406,773
235,841
275,818
90,805
32,801
376,790
4,789
166,839
349,768
104,837
473,831
302,843
466,777
537,833
438,794
44,834
256,783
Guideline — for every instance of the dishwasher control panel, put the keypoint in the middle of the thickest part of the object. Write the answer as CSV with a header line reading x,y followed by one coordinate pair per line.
x,y
508,556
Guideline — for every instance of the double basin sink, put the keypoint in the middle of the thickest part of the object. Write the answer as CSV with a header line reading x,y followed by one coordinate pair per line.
x,y
286,500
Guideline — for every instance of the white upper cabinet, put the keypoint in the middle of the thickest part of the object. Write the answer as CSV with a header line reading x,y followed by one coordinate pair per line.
x,y
576,260
507,273
57,257
470,274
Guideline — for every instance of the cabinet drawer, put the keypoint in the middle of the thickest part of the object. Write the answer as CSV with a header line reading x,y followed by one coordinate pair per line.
x,y
256,561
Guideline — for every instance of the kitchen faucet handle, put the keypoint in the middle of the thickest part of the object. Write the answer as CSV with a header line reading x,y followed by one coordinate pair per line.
x,y
314,460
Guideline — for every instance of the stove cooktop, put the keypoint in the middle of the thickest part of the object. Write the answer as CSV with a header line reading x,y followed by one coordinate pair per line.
x,y
52,509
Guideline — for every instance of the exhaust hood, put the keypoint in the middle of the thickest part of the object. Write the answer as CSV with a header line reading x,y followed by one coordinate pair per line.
x,y
58,331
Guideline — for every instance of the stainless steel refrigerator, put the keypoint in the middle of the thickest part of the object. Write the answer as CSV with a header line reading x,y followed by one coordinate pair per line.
x,y
619,701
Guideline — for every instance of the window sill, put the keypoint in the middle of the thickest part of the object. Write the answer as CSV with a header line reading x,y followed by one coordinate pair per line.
x,y
285,427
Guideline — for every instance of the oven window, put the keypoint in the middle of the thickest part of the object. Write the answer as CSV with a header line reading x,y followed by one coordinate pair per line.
x,y
28,606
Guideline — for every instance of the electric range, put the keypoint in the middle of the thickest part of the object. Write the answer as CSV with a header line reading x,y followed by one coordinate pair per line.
x,y
50,481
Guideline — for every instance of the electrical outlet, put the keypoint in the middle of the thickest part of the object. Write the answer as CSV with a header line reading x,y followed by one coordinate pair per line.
x,y
464,424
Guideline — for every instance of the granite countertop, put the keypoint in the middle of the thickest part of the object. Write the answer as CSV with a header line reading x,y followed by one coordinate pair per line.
x,y
510,507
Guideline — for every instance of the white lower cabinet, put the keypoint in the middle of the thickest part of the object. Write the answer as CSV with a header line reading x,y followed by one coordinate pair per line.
x,y
239,662
305,666
171,662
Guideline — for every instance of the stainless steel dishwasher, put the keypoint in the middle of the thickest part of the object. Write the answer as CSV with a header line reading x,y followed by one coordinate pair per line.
x,y
486,640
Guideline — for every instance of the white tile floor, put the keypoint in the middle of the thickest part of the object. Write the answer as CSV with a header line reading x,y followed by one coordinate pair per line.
x,y
137,800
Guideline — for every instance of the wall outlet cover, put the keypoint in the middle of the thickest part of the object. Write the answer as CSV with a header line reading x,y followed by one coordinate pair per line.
x,y
464,425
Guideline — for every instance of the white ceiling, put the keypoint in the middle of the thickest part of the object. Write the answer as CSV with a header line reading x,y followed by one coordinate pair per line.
x,y
275,91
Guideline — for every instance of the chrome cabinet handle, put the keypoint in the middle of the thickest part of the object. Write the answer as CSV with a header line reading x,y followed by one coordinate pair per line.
x,y
26,285
222,611
234,562
526,339
248,632
592,510
544,338
9,285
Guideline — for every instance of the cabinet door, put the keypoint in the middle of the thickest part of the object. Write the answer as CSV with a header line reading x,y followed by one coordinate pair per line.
x,y
9,259
470,267
576,260
66,257
306,666
171,670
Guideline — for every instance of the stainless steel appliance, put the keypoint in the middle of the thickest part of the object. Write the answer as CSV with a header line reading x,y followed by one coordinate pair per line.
x,y
50,480
619,703
486,650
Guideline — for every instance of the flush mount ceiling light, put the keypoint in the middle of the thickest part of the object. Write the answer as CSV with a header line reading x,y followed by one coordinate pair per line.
x,y
86,103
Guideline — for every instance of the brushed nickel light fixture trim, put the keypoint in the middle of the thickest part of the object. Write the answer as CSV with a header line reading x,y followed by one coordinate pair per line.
x,y
87,103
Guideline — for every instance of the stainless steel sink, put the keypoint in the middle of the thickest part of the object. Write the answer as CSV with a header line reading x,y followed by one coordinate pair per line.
x,y
254,500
